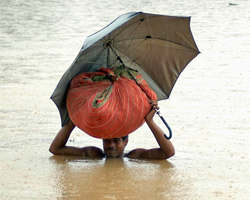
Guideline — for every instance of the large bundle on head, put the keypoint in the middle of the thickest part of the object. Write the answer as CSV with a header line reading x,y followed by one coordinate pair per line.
x,y
108,103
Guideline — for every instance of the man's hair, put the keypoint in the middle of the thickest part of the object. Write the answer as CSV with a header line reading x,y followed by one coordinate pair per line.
x,y
124,138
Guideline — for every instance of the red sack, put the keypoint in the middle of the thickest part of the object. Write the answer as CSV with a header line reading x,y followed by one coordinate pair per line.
x,y
108,104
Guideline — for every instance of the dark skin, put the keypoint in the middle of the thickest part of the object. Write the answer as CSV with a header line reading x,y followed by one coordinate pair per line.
x,y
114,147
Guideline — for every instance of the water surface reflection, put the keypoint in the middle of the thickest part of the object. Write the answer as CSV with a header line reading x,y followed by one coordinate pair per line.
x,y
117,179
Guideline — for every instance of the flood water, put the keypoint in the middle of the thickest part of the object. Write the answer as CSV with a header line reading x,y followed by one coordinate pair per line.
x,y
208,110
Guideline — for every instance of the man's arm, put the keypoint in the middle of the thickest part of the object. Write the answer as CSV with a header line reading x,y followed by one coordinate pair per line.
x,y
166,149
58,146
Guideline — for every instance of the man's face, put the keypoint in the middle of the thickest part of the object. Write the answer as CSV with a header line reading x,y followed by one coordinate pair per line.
x,y
114,147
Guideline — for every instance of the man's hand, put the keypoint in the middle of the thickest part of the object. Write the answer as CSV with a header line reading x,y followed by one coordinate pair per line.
x,y
150,115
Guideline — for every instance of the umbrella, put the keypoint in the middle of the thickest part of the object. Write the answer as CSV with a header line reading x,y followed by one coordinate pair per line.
x,y
159,47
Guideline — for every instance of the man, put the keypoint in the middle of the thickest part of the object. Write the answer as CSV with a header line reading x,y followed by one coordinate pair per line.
x,y
114,147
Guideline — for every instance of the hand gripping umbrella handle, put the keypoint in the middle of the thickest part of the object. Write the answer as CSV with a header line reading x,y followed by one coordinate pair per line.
x,y
166,124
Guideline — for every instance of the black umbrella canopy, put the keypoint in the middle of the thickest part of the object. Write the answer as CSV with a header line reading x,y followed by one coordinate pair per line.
x,y
158,46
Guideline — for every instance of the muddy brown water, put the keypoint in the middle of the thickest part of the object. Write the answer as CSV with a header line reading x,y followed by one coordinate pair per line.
x,y
208,109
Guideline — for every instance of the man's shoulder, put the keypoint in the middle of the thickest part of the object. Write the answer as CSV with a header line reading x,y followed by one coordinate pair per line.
x,y
92,151
154,153
136,153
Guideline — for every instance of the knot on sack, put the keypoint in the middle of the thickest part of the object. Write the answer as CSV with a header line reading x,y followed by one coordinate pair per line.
x,y
112,76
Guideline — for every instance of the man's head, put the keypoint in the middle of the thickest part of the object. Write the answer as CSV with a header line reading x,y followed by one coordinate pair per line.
x,y
114,147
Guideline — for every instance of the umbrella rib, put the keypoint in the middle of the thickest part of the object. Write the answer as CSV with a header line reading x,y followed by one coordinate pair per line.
x,y
133,32
155,38
108,61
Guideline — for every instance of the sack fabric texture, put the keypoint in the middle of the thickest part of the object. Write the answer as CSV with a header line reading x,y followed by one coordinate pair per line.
x,y
108,103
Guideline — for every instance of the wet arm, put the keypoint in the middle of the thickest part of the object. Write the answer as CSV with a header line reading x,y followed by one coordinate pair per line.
x,y
58,146
166,149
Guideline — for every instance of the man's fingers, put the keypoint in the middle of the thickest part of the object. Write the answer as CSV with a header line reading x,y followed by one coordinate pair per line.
x,y
154,104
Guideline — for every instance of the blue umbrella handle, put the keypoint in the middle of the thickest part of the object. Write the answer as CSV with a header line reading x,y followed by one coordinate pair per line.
x,y
166,124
